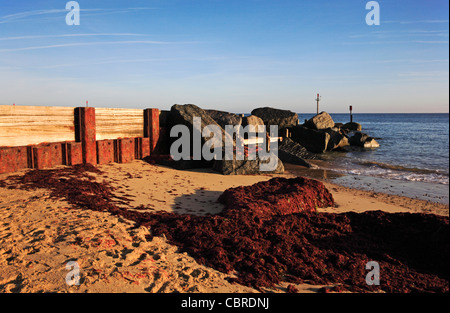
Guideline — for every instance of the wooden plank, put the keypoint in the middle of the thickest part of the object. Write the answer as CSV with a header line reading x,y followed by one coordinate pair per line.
x,y
255,141
119,123
27,125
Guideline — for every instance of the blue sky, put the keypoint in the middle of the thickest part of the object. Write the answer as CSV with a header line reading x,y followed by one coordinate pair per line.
x,y
232,55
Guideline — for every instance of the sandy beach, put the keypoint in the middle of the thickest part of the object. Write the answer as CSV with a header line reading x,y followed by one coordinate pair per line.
x,y
192,147
39,235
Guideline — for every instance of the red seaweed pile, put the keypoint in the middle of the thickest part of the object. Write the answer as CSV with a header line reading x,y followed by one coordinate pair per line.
x,y
270,232
279,196
73,184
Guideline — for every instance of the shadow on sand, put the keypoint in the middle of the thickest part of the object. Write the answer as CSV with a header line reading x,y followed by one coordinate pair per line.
x,y
202,202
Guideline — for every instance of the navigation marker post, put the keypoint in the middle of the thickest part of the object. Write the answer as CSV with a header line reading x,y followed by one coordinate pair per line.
x,y
318,100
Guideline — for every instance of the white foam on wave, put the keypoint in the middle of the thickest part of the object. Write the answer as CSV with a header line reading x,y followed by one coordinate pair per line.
x,y
426,178
436,178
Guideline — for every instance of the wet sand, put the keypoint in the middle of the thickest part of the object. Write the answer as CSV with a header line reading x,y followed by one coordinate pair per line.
x,y
432,192
396,197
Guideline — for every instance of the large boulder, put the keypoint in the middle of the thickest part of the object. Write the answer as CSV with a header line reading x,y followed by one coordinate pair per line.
x,y
184,115
252,120
281,118
225,118
337,139
352,126
247,167
360,139
313,140
320,121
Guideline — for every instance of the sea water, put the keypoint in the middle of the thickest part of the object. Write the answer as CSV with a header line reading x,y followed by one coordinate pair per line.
x,y
412,160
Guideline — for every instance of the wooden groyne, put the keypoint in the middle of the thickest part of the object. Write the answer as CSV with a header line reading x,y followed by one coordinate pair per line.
x,y
44,137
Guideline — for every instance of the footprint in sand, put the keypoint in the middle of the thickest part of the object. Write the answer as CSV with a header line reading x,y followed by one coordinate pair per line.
x,y
13,284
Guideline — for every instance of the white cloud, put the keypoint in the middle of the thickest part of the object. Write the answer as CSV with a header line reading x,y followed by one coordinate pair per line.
x,y
99,43
26,15
415,61
21,15
417,22
424,74
431,41
393,42
401,33
71,35
135,60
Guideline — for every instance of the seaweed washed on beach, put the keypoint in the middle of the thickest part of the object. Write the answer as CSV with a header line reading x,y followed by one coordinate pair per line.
x,y
271,232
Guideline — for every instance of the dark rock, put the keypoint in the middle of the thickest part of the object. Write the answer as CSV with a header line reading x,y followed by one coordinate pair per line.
x,y
352,126
281,118
313,140
338,125
225,118
246,167
184,115
320,121
337,139
358,139
292,152
164,118
363,140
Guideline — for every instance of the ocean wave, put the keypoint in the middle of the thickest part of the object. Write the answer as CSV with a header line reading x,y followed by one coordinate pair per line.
x,y
391,172
405,176
400,168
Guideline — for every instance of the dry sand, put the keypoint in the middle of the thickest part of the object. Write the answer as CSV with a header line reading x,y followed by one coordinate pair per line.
x,y
39,236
